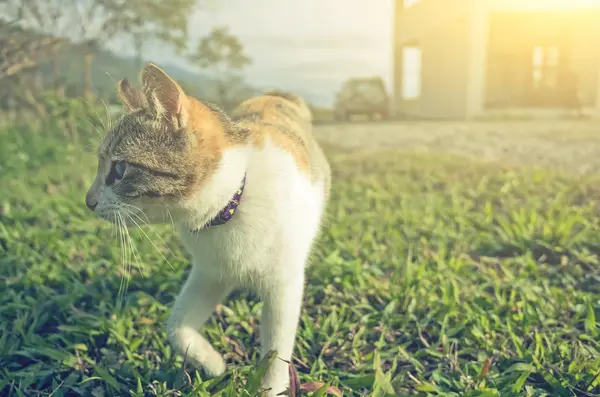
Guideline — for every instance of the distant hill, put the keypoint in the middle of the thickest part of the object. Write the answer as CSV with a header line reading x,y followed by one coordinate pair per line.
x,y
107,69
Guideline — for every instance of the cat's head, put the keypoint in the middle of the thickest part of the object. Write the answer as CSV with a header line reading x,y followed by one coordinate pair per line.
x,y
160,154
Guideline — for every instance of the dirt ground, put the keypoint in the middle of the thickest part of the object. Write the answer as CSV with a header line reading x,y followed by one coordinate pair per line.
x,y
571,146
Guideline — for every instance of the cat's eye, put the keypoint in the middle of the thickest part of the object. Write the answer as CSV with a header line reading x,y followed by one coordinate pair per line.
x,y
117,171
120,168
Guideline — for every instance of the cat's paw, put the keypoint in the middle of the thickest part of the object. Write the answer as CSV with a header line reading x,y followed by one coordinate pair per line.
x,y
277,379
196,350
214,365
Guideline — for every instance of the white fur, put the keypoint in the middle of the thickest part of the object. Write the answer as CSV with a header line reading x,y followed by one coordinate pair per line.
x,y
263,248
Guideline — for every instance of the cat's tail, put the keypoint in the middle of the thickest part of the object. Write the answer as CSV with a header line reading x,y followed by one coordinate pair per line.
x,y
293,98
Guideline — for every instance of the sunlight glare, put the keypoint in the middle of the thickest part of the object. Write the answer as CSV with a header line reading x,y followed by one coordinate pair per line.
x,y
546,4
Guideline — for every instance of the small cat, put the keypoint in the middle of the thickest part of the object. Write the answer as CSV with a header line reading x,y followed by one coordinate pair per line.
x,y
247,193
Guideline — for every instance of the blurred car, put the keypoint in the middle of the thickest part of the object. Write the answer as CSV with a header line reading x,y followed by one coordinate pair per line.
x,y
362,96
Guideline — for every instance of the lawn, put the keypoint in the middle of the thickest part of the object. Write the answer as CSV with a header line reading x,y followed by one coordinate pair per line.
x,y
436,275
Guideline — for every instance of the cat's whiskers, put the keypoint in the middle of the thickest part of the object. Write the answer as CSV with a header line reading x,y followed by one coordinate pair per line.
x,y
128,252
170,216
128,213
133,251
106,126
139,211
91,105
121,238
95,129
88,147
107,112
113,226
146,222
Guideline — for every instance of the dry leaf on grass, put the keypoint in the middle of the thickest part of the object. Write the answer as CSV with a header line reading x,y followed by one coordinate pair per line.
x,y
296,388
314,386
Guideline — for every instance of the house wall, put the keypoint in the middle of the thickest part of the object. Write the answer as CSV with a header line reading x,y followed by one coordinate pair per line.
x,y
418,20
539,5
441,29
455,35
585,56
509,75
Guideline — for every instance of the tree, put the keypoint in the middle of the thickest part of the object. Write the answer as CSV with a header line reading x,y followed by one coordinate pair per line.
x,y
158,20
87,22
93,23
21,49
42,26
221,54
21,52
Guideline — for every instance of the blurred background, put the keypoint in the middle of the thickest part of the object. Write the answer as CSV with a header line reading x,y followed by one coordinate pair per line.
x,y
223,50
461,253
392,58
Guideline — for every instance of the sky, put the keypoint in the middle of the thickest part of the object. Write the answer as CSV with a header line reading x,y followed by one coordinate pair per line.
x,y
307,46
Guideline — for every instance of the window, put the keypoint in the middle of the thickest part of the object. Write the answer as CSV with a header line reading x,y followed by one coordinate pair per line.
x,y
409,3
411,72
545,69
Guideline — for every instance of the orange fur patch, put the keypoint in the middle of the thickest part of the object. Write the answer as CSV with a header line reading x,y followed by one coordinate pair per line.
x,y
281,121
211,140
285,142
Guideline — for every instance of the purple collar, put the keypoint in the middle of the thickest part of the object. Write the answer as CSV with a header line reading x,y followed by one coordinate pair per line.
x,y
227,212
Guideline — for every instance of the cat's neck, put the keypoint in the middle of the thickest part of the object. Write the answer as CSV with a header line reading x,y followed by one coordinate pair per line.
x,y
218,191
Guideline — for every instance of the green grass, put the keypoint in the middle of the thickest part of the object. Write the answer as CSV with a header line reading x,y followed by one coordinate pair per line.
x,y
434,277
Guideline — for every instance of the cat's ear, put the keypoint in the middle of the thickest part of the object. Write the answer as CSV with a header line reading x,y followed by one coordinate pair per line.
x,y
165,97
131,97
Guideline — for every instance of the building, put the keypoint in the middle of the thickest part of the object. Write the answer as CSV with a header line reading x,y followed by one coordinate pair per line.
x,y
463,59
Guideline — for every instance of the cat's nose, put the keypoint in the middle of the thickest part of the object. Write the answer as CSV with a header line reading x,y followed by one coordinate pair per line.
x,y
91,202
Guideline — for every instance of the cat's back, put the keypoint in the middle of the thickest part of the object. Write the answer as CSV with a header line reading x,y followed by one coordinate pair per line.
x,y
284,119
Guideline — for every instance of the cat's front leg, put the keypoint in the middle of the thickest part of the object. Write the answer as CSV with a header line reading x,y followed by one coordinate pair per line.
x,y
281,312
194,305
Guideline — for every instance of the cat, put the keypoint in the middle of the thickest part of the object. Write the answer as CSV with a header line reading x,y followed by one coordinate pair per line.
x,y
246,191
